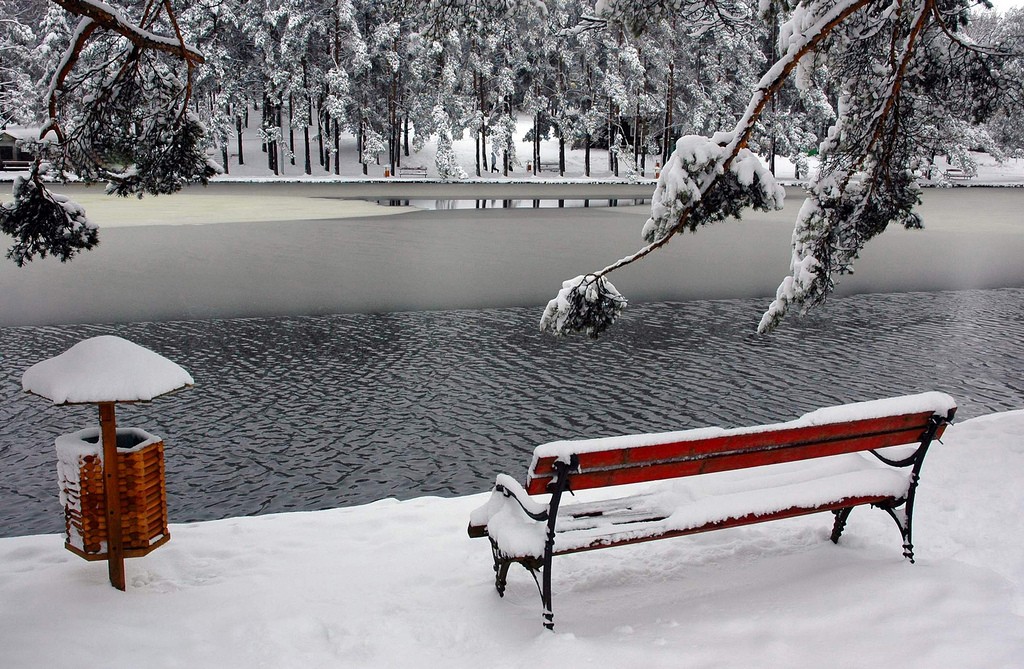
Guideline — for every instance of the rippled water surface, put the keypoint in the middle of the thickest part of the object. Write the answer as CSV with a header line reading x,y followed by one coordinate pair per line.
x,y
318,412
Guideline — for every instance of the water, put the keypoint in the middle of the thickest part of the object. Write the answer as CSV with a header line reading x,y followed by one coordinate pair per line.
x,y
319,412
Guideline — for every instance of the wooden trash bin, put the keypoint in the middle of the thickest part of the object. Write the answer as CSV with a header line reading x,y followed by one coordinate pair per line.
x,y
141,487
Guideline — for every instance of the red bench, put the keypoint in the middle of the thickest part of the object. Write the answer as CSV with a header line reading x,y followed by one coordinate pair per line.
x,y
816,463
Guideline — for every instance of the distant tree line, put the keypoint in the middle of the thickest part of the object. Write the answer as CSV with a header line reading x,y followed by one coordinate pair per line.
x,y
396,74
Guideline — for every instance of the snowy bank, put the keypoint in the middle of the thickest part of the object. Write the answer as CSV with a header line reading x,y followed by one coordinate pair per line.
x,y
397,584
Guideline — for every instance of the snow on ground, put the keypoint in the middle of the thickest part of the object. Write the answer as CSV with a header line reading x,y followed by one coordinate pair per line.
x,y
399,584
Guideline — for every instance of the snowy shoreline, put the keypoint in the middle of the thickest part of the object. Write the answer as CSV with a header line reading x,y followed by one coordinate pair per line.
x,y
395,584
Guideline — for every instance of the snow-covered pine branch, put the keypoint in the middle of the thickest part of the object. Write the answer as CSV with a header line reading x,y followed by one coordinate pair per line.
x,y
892,62
110,18
117,104
682,191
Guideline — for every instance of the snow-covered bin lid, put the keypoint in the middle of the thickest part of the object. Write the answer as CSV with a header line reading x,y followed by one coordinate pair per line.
x,y
104,369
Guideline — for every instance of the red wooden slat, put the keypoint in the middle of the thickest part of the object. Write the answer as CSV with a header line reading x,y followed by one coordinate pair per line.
x,y
748,519
597,478
689,458
762,439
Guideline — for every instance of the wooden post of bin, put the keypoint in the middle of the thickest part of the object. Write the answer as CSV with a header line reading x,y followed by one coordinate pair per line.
x,y
112,496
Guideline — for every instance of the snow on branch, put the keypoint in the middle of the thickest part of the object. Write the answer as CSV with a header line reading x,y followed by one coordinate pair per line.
x,y
585,304
698,161
118,107
44,223
111,19
696,185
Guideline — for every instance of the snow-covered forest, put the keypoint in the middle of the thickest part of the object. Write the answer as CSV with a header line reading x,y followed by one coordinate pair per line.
x,y
398,74
138,94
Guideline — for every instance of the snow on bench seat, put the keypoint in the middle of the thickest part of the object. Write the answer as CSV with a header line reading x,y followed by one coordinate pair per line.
x,y
683,505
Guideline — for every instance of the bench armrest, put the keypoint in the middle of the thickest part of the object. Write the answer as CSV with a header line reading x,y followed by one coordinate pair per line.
x,y
511,518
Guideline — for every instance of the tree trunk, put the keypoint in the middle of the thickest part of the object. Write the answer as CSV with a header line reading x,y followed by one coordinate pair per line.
x,y
337,148
405,134
636,136
361,145
308,165
321,156
279,141
238,132
666,140
291,127
483,125
263,126
586,156
612,167
537,142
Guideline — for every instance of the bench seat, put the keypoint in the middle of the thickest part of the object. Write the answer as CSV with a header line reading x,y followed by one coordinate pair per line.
x,y
692,505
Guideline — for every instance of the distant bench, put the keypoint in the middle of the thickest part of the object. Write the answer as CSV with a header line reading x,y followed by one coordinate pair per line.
x,y
412,171
550,166
818,466
956,173
20,165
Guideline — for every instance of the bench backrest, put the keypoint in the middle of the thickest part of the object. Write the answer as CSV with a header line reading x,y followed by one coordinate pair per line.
x,y
622,460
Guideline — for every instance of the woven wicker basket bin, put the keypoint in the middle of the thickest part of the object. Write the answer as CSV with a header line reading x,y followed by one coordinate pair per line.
x,y
142,488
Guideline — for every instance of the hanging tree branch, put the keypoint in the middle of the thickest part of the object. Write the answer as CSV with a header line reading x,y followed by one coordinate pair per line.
x,y
603,302
118,112
709,179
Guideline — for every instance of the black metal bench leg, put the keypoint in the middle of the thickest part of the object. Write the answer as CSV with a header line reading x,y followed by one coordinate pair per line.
x,y
841,517
902,519
501,576
501,565
905,517
561,484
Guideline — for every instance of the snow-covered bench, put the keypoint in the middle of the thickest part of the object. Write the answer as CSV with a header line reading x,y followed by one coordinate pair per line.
x,y
956,173
19,165
412,171
721,478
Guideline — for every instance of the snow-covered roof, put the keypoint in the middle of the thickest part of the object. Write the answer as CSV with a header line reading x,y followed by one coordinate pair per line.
x,y
27,134
104,369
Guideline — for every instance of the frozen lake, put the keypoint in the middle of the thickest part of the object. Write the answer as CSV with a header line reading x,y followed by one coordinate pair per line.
x,y
296,250
427,374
